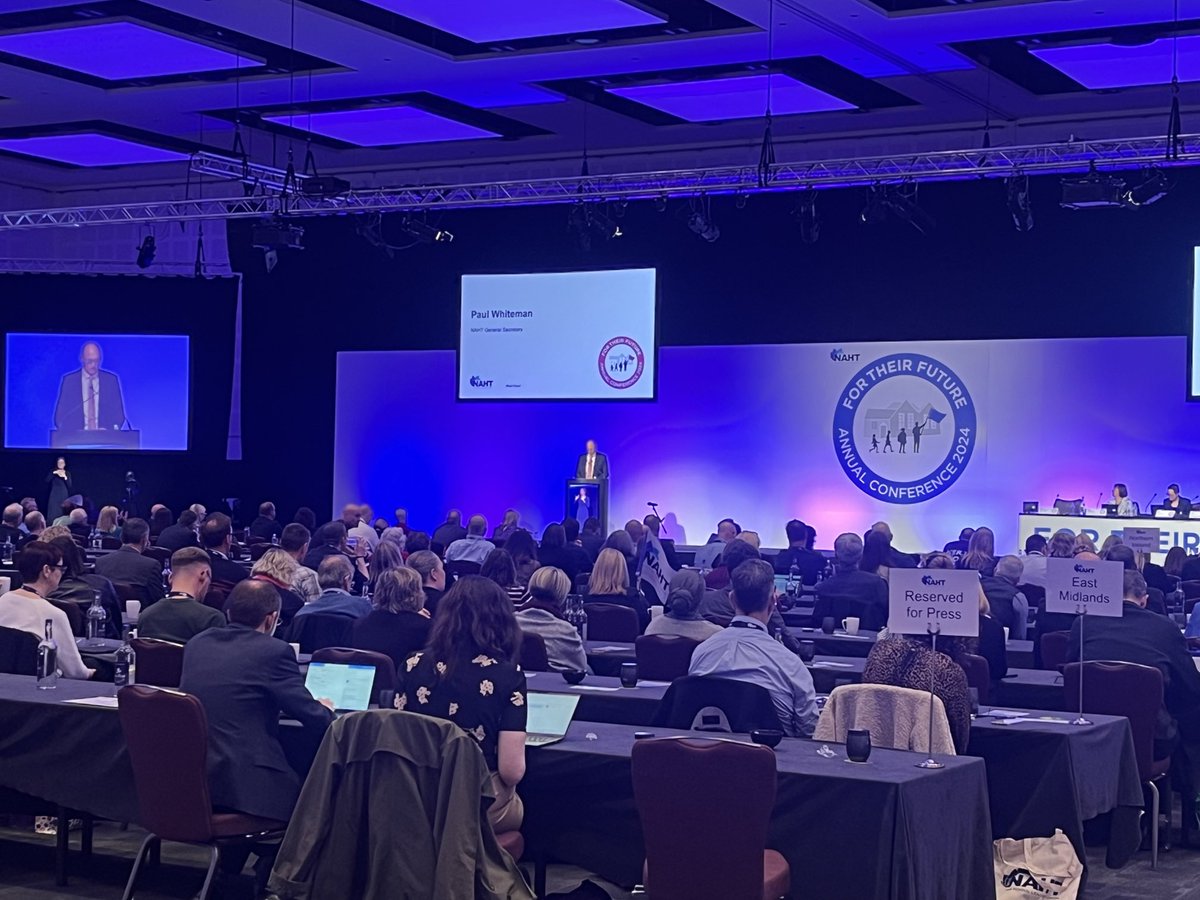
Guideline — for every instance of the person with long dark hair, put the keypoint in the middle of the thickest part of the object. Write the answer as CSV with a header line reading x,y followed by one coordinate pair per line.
x,y
524,552
468,675
499,567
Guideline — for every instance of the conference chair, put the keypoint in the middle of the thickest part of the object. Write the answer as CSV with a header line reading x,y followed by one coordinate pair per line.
x,y
385,669
162,554
612,622
708,703
74,616
166,733
979,675
18,652
533,652
871,616
159,662
107,542
1135,692
127,592
215,598
690,850
259,550
897,717
1054,648
460,567
664,657
317,630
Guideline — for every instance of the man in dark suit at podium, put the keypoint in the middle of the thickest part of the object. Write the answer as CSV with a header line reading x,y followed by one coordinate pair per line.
x,y
592,464
90,398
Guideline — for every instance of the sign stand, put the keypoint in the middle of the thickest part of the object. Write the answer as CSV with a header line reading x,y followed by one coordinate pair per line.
x,y
1081,608
933,629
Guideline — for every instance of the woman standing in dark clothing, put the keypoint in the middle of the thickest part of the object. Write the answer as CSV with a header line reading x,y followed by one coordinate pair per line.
x,y
61,487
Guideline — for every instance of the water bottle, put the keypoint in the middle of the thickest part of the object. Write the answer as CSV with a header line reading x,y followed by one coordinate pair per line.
x,y
125,666
167,576
274,540
96,619
96,541
6,552
246,535
47,660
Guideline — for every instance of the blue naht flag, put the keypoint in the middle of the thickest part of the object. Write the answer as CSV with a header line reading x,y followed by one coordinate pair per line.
x,y
653,568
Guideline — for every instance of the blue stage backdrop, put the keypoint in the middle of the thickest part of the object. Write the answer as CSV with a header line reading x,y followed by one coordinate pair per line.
x,y
930,437
153,372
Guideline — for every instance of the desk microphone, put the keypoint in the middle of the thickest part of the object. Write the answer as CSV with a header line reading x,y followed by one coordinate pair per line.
x,y
1100,499
1151,503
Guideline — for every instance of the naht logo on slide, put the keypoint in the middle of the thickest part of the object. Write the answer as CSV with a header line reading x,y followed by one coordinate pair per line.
x,y
839,355
930,580
1084,570
621,363
476,381
904,428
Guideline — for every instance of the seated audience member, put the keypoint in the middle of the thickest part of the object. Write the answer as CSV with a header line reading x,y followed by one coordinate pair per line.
x,y
433,577
634,529
181,534
473,547
990,644
398,625
1148,639
498,567
277,567
245,679
653,525
401,519
850,585
908,661
1033,569
79,587
751,538
981,552
609,583
387,555
1155,575
107,524
620,541
77,523
265,526
542,614
380,525
306,517
129,566
182,615
524,552
216,536
591,538
877,553
706,556
416,541
26,608
682,614
330,540
357,519
1008,605
807,563
54,532
717,605
1124,554
335,577
10,528
1109,542
34,523
449,531
398,537
898,560
469,675
745,651
1084,544
512,521
956,549
160,520
556,552
294,542
200,511
1173,564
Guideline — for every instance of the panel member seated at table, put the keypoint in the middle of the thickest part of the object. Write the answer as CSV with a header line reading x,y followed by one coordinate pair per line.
x,y
335,575
609,583
182,615
1181,505
468,675
398,626
745,651
799,555
865,592
682,616
129,566
541,613
1148,639
26,608
1120,498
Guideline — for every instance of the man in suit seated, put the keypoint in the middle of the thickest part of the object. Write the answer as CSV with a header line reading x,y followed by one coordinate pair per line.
x,y
335,576
10,527
591,464
89,398
808,563
266,526
77,523
216,536
246,679
128,566
182,615
181,534
850,588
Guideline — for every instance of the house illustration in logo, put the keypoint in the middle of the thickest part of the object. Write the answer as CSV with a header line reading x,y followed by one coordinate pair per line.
x,y
877,422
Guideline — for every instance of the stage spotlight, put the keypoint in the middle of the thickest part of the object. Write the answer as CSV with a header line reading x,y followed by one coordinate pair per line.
x,y
1093,191
874,211
588,219
1019,204
902,201
660,203
1153,189
146,252
806,216
423,232
270,259
700,225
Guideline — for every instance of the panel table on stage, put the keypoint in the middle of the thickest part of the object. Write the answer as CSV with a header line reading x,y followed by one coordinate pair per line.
x,y
1173,532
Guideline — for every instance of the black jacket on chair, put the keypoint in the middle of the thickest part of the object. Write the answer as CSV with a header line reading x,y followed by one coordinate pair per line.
x,y
176,537
244,679
225,570
127,566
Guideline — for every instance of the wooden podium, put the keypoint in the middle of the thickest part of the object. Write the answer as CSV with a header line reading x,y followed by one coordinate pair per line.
x,y
594,500
96,439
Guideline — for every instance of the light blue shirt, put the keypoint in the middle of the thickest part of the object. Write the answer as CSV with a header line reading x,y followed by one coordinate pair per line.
x,y
473,548
336,603
746,652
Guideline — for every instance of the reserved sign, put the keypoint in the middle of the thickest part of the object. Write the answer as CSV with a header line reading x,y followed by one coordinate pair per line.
x,y
944,601
1093,586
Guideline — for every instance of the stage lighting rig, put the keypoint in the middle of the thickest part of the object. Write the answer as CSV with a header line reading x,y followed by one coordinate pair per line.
x,y
273,235
700,220
1020,207
145,254
1093,191
424,233
1153,189
807,218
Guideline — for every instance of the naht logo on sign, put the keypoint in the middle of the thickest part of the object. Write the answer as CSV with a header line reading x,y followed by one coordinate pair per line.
x,y
929,579
1084,570
476,381
839,355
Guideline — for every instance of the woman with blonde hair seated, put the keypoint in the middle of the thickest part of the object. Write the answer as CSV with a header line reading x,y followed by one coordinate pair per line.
x,y
609,583
541,613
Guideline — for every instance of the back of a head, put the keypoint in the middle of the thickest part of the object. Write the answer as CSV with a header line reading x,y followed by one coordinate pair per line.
x,y
554,536
398,590
685,593
55,531
982,543
78,516
653,524
620,541
751,538
267,510
737,552
251,602
424,563
634,529
454,517
215,530
884,527
334,572
499,567
549,585
12,514
1135,585
350,515
187,518
161,518
134,531
521,547
331,534
474,618
939,560
727,530
965,534
610,574
591,525
1123,554
276,563
796,531
294,537
387,555
570,530
753,583
477,525
416,541
1173,564
306,517
1035,543
877,551
1010,568
847,551
1061,545
187,557
71,557
34,557
393,534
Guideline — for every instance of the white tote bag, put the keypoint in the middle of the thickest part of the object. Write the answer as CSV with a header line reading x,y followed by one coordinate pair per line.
x,y
1037,867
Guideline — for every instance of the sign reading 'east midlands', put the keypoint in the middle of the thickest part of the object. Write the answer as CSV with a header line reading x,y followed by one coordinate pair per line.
x,y
1093,586
904,428
945,601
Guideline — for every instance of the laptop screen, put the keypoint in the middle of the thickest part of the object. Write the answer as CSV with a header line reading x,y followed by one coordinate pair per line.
x,y
550,713
348,687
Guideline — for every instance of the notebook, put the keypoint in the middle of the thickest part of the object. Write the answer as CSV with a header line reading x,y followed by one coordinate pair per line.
x,y
549,716
347,686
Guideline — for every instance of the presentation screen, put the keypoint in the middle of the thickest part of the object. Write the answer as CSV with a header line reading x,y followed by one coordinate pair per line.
x,y
96,392
1194,333
558,336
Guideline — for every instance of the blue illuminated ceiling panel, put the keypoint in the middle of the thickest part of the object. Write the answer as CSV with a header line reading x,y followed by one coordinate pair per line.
x,y
740,97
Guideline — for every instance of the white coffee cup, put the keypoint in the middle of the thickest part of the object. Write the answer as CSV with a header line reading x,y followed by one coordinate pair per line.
x,y
656,611
133,609
295,649
850,625
5,584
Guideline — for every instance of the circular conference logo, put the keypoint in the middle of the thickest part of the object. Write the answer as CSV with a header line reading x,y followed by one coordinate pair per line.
x,y
621,363
904,428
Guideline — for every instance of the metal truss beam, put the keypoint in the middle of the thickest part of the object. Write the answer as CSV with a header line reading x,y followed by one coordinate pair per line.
x,y
996,162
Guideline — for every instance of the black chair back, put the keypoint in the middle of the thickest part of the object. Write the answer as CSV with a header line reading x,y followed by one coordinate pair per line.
x,y
318,630
18,652
612,622
73,614
158,662
743,706
664,657
533,653
871,617
979,675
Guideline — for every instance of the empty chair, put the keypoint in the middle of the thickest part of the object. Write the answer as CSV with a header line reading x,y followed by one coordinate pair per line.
x,y
162,554
258,550
127,592
385,669
167,736
979,675
460,567
896,717
74,616
533,653
317,630
685,787
612,622
107,542
1054,648
664,657
708,703
18,652
158,662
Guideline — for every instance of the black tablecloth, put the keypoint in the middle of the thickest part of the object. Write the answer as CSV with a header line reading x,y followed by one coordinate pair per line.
x,y
1031,689
883,829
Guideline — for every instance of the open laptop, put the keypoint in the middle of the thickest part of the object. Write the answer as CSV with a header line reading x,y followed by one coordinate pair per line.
x,y
347,686
549,716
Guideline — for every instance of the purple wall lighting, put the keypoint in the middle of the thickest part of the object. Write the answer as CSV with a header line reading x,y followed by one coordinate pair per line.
x,y
382,125
1097,66
89,149
119,50
481,21
741,97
